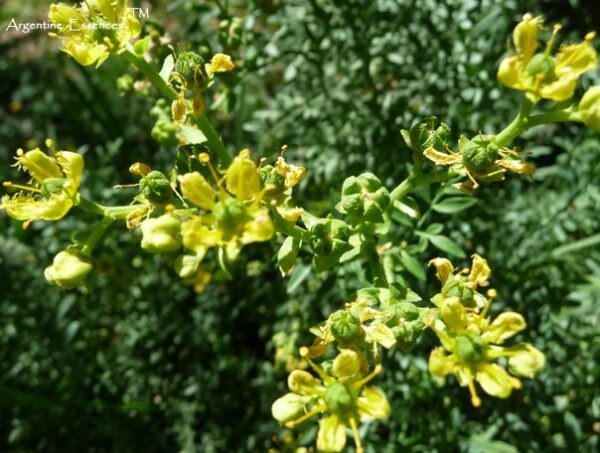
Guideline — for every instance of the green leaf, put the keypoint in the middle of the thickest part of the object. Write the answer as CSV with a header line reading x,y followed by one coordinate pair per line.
x,y
167,68
288,253
409,207
141,46
445,244
300,274
434,228
453,205
193,135
412,265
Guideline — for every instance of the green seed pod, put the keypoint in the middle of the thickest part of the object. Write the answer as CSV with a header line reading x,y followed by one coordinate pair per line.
x,y
156,188
230,215
339,398
458,287
329,241
345,327
479,155
190,66
53,186
364,199
69,270
427,133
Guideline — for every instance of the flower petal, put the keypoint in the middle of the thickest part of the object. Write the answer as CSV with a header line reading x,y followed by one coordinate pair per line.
x,y
332,434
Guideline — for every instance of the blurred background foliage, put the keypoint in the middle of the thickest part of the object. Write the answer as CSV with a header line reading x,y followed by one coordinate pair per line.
x,y
139,362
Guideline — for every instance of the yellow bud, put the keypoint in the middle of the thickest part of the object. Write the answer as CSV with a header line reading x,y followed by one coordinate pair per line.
x,y
443,267
589,107
68,270
525,360
288,407
139,169
161,234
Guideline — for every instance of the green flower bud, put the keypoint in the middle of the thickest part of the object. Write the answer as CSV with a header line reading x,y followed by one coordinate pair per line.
x,y
339,397
190,66
156,188
469,348
161,234
68,270
479,155
427,133
407,334
589,107
458,287
345,327
289,407
364,199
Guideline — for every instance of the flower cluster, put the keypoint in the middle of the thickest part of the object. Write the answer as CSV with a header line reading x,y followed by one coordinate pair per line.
x,y
52,190
95,29
540,74
340,393
471,341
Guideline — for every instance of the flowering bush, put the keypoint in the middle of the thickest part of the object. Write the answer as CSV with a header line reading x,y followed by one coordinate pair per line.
x,y
211,205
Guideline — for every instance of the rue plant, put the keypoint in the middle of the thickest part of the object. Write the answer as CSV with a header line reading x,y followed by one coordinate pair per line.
x,y
212,203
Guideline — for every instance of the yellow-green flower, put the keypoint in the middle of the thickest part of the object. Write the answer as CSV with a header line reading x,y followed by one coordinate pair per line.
x,y
471,342
479,159
69,270
95,29
53,189
589,107
234,214
342,395
543,75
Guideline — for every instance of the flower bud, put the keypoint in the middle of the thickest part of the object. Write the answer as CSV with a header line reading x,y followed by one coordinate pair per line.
x,y
68,270
156,188
589,107
429,133
161,234
289,407
186,266
525,360
329,240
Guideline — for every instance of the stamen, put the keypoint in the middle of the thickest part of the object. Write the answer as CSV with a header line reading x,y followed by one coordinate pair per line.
x,y
368,377
550,44
475,400
354,427
314,411
10,185
304,353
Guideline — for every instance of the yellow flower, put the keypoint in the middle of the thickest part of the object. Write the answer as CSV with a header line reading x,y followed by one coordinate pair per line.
x,y
542,75
161,234
342,394
471,342
235,216
54,186
220,63
589,106
95,29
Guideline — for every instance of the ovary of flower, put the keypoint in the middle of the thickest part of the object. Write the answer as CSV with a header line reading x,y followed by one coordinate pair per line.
x,y
53,190
342,394
543,75
95,29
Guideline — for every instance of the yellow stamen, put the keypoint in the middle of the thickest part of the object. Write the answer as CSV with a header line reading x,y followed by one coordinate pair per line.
x,y
475,400
368,377
354,427
10,185
550,44
314,411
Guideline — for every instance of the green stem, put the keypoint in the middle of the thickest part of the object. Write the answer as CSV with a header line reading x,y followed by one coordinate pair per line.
x,y
212,137
517,126
413,181
558,116
113,212
96,236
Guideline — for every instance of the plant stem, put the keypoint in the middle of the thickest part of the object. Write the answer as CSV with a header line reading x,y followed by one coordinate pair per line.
x,y
96,236
113,212
413,181
517,126
203,123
